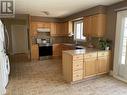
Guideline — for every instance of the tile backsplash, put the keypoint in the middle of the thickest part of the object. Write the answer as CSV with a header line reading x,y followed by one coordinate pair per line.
x,y
55,39
62,39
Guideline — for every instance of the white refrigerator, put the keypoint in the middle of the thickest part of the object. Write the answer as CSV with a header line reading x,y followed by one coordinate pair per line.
x,y
4,60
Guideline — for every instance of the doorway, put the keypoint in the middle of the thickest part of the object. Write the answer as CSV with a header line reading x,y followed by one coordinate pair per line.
x,y
120,55
19,39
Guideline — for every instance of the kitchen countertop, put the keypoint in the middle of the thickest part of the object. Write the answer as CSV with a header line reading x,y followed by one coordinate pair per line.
x,y
81,51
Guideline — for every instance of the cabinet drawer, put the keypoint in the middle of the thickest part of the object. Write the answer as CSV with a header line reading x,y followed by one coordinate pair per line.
x,y
78,75
103,53
91,55
77,65
78,57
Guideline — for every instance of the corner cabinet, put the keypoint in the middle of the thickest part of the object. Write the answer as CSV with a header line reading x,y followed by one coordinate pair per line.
x,y
95,25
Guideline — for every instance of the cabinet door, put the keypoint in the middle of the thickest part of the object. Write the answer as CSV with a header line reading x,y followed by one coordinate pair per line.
x,y
66,28
53,29
47,25
56,50
33,29
70,27
39,24
43,25
103,64
98,23
90,67
94,22
58,29
34,52
87,26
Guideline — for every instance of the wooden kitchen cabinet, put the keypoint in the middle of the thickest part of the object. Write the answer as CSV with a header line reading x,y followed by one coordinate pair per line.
x,y
103,62
67,28
33,33
87,26
81,66
36,25
34,52
61,28
56,29
72,67
33,28
102,65
53,29
90,61
95,25
56,50
90,67
66,47
43,25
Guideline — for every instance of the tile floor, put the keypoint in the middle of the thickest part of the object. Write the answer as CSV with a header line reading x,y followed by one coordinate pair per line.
x,y
45,78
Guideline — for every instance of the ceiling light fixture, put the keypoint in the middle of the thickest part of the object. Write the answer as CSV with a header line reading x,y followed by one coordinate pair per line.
x,y
45,12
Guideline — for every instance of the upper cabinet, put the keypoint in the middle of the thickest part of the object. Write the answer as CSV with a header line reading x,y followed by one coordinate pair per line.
x,y
57,28
95,26
43,25
33,28
35,25
61,28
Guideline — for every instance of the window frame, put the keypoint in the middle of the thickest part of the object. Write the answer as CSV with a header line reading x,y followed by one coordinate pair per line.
x,y
74,27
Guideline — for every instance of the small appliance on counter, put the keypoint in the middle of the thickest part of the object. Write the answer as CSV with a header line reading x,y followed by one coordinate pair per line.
x,y
45,47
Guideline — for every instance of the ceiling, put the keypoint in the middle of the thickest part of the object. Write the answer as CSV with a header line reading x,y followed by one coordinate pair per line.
x,y
57,8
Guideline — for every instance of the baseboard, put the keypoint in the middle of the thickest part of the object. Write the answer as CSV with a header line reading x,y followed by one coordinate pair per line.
x,y
111,73
119,78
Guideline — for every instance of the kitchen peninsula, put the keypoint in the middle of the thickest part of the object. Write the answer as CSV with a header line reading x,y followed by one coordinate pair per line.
x,y
84,63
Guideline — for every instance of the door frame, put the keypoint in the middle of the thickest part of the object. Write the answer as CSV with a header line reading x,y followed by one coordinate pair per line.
x,y
12,28
118,42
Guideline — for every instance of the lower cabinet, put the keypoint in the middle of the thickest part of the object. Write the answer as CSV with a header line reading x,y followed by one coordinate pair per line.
x,y
77,75
81,66
56,50
103,65
34,52
90,67
72,67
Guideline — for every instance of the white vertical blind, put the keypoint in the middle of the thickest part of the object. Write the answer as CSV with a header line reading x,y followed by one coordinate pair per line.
x,y
124,44
120,54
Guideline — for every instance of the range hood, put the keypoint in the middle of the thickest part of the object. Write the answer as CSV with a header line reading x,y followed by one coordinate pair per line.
x,y
44,30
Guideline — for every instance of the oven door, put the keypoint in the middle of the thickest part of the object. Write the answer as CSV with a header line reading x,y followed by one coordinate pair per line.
x,y
45,51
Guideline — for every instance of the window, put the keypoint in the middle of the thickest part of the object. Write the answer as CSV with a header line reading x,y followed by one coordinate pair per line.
x,y
78,30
